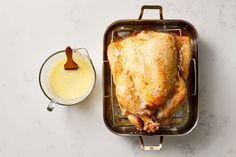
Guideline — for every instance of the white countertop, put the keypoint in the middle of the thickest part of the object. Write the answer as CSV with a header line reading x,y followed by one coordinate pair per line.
x,y
32,30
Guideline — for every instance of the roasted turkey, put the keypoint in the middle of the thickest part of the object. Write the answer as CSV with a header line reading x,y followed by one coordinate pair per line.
x,y
149,70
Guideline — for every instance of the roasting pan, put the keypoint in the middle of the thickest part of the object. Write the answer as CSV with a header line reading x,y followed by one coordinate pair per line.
x,y
186,117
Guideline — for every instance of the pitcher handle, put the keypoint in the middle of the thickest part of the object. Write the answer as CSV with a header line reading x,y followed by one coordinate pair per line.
x,y
51,106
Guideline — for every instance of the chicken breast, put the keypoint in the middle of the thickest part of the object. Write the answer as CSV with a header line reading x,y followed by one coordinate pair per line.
x,y
150,59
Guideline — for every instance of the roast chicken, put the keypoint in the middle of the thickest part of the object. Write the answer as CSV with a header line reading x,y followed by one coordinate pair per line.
x,y
149,70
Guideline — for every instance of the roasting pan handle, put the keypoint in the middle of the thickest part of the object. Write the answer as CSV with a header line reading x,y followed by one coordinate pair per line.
x,y
151,7
156,148
195,77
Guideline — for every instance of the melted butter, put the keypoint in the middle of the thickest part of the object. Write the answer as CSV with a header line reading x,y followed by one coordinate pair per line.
x,y
71,84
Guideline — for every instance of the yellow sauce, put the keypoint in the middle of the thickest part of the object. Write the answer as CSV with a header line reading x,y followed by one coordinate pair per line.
x,y
71,84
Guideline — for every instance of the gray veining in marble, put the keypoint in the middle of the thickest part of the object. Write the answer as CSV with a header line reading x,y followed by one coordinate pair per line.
x,y
32,30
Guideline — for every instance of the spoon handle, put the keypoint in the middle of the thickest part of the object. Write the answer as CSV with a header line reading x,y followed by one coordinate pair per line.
x,y
70,64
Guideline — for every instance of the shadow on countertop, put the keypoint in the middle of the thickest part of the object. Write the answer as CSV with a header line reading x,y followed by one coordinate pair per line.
x,y
203,135
207,128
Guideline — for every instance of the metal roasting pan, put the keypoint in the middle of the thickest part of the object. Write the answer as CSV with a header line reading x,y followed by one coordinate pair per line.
x,y
186,117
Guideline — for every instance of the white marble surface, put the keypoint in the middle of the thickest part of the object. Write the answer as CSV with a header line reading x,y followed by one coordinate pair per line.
x,y
31,30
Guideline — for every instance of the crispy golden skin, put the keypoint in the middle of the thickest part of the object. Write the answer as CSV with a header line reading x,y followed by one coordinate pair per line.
x,y
151,61
184,49
166,111
147,70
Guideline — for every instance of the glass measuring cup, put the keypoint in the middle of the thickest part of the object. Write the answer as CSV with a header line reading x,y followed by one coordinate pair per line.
x,y
63,87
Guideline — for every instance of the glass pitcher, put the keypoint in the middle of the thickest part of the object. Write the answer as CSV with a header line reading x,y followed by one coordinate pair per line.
x,y
55,92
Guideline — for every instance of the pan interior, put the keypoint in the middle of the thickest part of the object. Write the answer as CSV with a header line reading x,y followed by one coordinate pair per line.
x,y
186,116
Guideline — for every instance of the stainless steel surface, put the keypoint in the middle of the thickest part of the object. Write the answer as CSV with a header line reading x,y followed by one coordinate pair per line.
x,y
151,7
195,77
186,117
156,148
